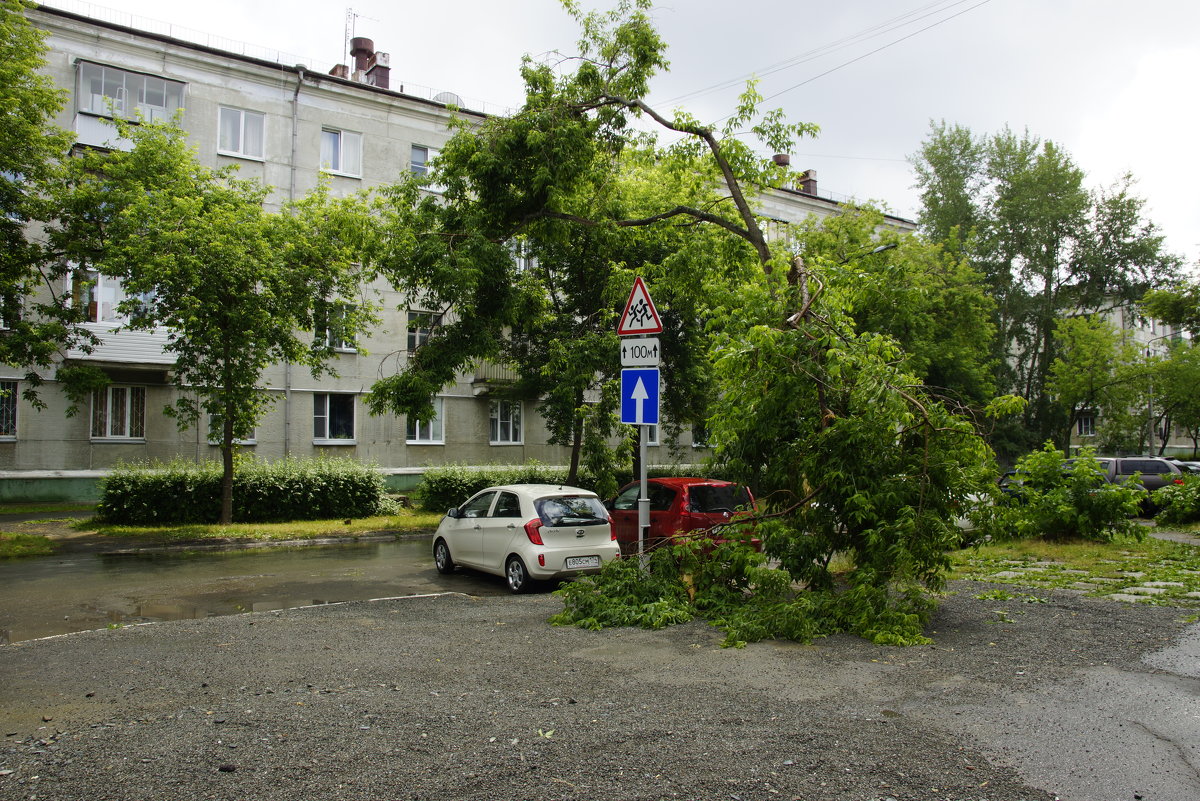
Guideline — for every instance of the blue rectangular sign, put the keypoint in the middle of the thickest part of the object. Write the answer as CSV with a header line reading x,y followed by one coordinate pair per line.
x,y
639,396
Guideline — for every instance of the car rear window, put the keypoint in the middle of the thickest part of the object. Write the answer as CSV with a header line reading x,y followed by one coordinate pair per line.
x,y
713,498
1145,466
571,510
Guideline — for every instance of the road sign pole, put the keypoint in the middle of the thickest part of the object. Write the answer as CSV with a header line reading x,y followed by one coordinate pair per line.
x,y
643,498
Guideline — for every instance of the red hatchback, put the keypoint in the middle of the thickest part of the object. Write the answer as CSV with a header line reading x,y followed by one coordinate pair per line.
x,y
677,506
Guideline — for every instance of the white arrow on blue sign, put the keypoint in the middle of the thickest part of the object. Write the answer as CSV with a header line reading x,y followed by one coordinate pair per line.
x,y
639,397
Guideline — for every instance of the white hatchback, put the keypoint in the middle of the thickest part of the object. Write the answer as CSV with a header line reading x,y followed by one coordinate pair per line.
x,y
527,533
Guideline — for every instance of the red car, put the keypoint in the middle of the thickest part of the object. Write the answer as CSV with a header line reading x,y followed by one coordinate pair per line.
x,y
677,506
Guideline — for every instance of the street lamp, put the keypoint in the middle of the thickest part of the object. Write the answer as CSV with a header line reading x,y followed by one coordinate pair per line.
x,y
1150,399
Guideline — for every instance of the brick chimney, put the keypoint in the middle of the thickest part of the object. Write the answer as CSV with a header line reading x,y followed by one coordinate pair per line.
x,y
808,182
379,70
340,71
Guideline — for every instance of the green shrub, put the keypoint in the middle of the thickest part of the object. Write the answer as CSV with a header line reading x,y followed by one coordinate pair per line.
x,y
731,587
1059,500
450,485
1178,503
182,492
443,487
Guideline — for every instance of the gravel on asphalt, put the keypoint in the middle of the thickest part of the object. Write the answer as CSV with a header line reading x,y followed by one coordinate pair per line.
x,y
455,697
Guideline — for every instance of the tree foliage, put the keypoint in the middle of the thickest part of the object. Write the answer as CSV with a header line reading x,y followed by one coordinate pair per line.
x,y
39,321
1095,371
234,287
799,395
1018,208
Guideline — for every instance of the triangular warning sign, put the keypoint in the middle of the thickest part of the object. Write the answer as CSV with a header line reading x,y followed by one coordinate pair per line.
x,y
640,316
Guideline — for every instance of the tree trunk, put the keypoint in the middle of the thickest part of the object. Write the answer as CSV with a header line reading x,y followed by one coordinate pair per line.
x,y
576,445
227,471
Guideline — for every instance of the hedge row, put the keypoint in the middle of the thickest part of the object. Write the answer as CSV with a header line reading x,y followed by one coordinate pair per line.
x,y
443,487
289,489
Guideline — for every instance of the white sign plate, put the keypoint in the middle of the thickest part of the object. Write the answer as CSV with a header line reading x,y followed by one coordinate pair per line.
x,y
639,352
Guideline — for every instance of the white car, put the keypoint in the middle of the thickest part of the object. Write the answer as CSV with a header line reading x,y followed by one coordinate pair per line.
x,y
527,533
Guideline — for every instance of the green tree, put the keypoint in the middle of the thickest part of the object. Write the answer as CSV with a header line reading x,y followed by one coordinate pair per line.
x,y
1048,247
922,295
236,287
1095,370
1175,381
39,321
800,397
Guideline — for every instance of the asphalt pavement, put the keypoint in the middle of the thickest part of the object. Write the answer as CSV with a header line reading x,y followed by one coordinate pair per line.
x,y
455,697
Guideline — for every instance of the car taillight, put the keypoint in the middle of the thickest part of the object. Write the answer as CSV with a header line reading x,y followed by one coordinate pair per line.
x,y
532,530
542,559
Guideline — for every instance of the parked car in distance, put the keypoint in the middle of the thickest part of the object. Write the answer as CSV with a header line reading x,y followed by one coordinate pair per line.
x,y
527,533
678,506
1154,472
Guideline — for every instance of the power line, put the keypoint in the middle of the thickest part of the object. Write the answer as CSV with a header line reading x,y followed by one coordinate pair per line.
x,y
870,32
873,52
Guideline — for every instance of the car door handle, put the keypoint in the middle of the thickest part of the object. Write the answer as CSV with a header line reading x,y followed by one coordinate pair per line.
x,y
477,527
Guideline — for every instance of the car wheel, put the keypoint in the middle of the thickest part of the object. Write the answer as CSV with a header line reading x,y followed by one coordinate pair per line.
x,y
517,575
441,557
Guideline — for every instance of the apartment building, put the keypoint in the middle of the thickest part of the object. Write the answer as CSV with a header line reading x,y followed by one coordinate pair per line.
x,y
286,124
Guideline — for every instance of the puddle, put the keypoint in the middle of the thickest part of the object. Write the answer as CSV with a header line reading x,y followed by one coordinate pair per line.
x,y
60,594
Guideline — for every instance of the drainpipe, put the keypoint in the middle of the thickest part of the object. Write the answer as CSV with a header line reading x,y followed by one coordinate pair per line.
x,y
287,365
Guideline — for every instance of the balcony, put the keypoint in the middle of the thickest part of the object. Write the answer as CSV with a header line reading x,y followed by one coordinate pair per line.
x,y
488,375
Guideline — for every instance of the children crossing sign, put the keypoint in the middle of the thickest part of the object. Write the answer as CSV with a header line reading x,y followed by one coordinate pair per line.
x,y
640,316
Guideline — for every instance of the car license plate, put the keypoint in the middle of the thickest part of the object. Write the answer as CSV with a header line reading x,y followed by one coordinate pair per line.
x,y
580,562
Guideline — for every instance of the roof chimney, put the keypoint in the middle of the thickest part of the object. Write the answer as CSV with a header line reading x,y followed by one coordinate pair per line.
x,y
808,182
361,49
340,71
781,159
379,70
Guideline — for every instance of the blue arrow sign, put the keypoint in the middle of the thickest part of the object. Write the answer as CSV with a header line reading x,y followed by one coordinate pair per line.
x,y
639,397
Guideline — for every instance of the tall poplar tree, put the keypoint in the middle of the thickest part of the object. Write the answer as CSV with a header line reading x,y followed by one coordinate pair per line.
x,y
1018,208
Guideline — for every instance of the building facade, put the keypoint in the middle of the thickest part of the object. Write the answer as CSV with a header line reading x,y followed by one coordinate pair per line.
x,y
288,126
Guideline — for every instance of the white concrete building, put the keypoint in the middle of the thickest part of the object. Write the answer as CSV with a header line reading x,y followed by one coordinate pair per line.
x,y
287,125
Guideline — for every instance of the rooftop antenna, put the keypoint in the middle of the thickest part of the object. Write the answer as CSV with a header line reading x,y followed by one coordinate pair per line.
x,y
352,16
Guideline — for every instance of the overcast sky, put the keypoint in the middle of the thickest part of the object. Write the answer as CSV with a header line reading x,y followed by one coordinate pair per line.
x,y
1112,81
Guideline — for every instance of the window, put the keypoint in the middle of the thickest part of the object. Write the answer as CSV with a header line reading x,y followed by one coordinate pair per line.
x,y
241,133
522,256
333,418
216,432
661,498
418,163
421,325
651,435
505,423
330,331
119,412
8,409
1086,425
341,152
478,506
507,505
111,91
699,436
102,296
427,432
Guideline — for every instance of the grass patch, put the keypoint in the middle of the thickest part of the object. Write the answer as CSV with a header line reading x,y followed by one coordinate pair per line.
x,y
25,509
16,545
1090,567
407,521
